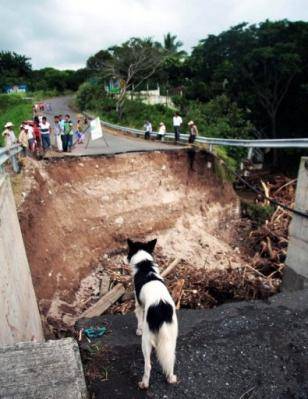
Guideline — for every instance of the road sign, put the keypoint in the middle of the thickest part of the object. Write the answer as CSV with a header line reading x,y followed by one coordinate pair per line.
x,y
96,129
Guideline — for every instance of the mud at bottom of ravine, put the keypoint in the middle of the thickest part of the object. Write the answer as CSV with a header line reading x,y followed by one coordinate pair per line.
x,y
76,215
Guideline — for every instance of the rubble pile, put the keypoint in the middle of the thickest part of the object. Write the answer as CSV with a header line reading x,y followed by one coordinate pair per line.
x,y
197,288
269,241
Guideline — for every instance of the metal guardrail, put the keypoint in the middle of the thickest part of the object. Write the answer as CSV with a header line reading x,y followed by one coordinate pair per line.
x,y
9,153
264,143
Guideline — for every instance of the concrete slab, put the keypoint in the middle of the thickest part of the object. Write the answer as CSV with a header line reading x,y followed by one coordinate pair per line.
x,y
50,370
247,350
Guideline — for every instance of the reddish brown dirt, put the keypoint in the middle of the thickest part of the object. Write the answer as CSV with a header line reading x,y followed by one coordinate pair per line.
x,y
77,212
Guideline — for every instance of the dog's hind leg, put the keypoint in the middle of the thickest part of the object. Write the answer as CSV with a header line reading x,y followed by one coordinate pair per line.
x,y
140,315
146,350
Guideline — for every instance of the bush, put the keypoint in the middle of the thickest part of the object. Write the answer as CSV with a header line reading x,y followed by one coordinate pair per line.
x,y
257,213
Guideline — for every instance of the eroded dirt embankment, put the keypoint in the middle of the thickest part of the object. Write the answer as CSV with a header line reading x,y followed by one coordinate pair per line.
x,y
76,215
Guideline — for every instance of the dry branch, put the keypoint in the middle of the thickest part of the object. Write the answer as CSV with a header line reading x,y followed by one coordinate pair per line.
x,y
177,292
169,269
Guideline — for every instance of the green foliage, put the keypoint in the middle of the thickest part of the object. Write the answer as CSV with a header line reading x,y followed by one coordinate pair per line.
x,y
15,109
14,69
219,117
262,67
51,79
257,213
220,170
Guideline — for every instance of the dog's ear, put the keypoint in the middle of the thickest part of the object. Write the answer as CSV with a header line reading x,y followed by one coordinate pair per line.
x,y
151,245
130,243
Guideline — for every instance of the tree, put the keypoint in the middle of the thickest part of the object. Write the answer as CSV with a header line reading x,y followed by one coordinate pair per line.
x,y
131,64
97,61
255,65
171,74
172,45
14,68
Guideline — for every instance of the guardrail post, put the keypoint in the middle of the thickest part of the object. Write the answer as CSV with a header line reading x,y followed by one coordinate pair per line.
x,y
211,147
15,164
296,273
250,153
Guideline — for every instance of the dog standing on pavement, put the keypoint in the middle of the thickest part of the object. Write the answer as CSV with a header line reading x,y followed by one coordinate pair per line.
x,y
155,311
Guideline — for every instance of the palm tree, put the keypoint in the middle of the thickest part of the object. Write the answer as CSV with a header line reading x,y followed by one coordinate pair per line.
x,y
172,45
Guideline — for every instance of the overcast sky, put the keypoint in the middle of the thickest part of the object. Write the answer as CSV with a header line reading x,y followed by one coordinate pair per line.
x,y
64,33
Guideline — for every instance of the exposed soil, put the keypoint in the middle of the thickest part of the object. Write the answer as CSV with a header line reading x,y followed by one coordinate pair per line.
x,y
76,215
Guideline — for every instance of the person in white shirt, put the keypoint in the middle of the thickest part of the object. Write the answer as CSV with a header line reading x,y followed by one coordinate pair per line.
x,y
45,133
147,130
177,122
161,131
57,133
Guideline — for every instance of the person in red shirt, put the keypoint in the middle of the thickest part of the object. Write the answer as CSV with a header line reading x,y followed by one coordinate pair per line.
x,y
37,132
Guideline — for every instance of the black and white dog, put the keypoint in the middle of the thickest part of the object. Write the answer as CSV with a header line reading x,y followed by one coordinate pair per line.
x,y
155,311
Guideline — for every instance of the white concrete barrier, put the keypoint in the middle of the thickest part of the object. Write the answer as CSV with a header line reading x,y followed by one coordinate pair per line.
x,y
19,314
296,274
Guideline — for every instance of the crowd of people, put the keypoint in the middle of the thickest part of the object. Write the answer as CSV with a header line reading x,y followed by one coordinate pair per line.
x,y
35,135
177,122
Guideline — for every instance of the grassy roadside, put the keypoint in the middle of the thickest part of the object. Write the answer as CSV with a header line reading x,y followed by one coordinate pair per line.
x,y
15,109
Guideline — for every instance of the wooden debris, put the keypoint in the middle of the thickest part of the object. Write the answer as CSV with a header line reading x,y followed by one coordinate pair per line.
x,y
105,284
104,303
177,292
169,269
266,192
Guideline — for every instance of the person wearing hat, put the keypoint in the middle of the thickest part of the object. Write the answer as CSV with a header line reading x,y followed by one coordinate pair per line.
x,y
23,139
8,134
193,133
161,131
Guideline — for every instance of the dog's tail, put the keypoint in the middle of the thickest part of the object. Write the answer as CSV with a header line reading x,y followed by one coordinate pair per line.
x,y
165,345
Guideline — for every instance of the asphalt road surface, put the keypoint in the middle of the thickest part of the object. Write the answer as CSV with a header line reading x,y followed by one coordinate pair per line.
x,y
111,143
240,350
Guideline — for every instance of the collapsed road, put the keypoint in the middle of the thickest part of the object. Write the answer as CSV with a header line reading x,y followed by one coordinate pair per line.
x,y
75,216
